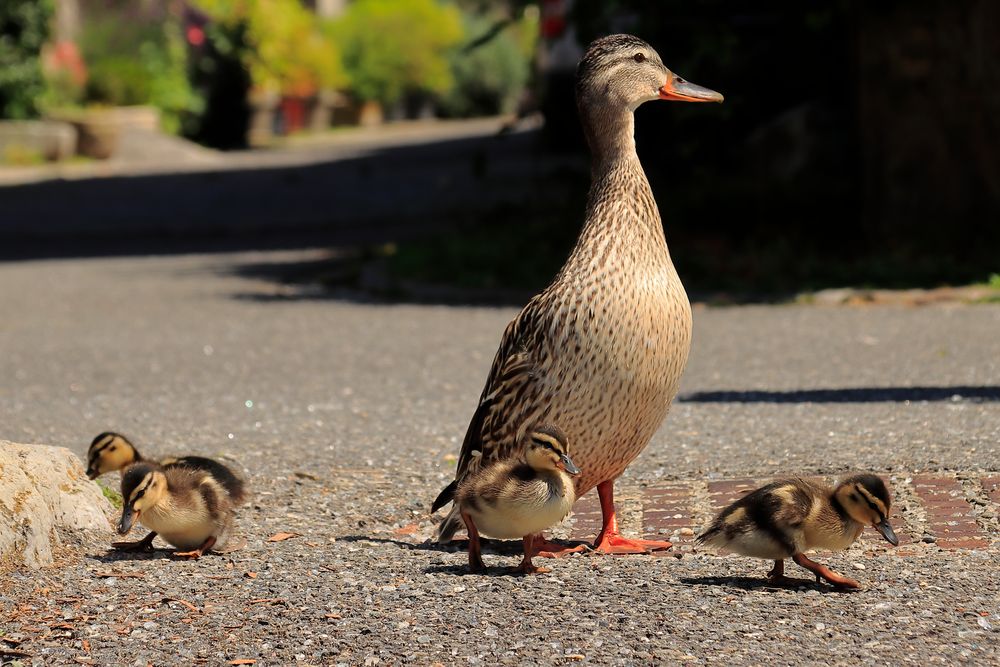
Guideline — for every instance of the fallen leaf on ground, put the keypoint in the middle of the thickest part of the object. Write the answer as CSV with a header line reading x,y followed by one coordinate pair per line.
x,y
121,575
179,601
243,661
250,575
280,537
406,530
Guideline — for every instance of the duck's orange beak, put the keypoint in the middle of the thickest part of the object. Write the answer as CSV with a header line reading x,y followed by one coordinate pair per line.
x,y
679,90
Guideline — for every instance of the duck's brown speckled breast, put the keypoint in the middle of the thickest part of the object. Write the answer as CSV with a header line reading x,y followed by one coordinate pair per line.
x,y
620,346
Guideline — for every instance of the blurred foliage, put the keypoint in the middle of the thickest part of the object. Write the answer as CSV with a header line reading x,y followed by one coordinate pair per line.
x,y
489,77
286,49
124,59
392,48
24,28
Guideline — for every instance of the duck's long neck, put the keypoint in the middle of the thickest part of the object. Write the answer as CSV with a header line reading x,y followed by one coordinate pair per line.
x,y
621,211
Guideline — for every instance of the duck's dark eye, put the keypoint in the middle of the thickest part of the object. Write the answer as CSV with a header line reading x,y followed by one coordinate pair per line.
x,y
639,58
855,497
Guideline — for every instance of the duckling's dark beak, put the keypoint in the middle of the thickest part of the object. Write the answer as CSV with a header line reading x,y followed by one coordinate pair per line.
x,y
566,463
91,473
679,90
887,532
129,515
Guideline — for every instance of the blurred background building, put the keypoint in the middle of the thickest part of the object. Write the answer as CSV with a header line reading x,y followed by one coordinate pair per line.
x,y
859,142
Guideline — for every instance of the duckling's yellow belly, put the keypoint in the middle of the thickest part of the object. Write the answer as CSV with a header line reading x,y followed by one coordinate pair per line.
x,y
511,518
183,529
831,540
616,368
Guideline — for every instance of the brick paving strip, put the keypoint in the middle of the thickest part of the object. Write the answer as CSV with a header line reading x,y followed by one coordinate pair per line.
x,y
948,515
671,511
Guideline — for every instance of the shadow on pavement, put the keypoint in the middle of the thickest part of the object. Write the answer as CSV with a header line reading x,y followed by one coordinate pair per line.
x,y
974,394
328,199
758,583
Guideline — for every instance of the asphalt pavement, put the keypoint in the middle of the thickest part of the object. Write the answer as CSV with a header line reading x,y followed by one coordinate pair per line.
x,y
346,416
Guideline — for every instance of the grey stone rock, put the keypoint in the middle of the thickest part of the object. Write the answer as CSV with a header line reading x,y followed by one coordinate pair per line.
x,y
44,489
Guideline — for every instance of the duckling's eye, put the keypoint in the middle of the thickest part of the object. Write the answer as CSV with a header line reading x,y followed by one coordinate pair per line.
x,y
855,497
639,58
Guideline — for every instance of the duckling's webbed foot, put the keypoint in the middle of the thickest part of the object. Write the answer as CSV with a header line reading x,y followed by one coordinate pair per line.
x,y
476,564
610,541
145,544
526,566
823,572
543,548
776,577
195,554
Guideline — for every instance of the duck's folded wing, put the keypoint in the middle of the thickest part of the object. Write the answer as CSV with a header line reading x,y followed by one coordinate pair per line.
x,y
511,401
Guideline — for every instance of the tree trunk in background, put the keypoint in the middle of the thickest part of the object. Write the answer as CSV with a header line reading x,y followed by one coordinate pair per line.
x,y
929,103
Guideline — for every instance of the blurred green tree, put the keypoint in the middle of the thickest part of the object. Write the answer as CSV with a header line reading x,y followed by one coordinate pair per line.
x,y
24,29
489,76
395,47
285,49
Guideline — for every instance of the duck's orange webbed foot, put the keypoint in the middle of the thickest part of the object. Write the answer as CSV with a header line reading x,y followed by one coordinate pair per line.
x,y
539,546
776,577
613,543
526,566
195,554
610,540
145,544
823,572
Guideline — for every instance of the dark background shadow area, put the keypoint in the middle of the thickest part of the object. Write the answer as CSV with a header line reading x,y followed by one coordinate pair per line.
x,y
849,395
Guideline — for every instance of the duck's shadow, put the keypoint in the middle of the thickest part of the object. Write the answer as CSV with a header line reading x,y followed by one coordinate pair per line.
x,y
761,583
113,555
460,546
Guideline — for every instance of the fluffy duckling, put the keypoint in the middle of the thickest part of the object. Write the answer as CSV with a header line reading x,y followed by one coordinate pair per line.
x,y
519,497
189,508
787,517
111,451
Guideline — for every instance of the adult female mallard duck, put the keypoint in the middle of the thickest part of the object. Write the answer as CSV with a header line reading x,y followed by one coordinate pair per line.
x,y
788,517
187,507
111,451
601,350
519,497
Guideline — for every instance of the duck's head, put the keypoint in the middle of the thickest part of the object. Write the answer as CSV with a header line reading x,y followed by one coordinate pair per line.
x,y
144,486
624,71
547,450
110,451
866,499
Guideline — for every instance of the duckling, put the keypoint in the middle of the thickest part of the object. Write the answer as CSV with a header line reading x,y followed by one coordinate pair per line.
x,y
519,497
787,517
111,451
188,507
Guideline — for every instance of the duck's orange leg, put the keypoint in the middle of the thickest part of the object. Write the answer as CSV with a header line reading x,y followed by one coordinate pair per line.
x,y
610,541
195,554
822,571
475,549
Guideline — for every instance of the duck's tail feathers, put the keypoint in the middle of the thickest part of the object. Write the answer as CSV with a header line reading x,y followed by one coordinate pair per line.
x,y
451,524
446,496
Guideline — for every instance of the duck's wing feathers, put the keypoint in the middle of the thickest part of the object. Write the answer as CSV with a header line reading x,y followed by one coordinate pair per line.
x,y
232,483
510,402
